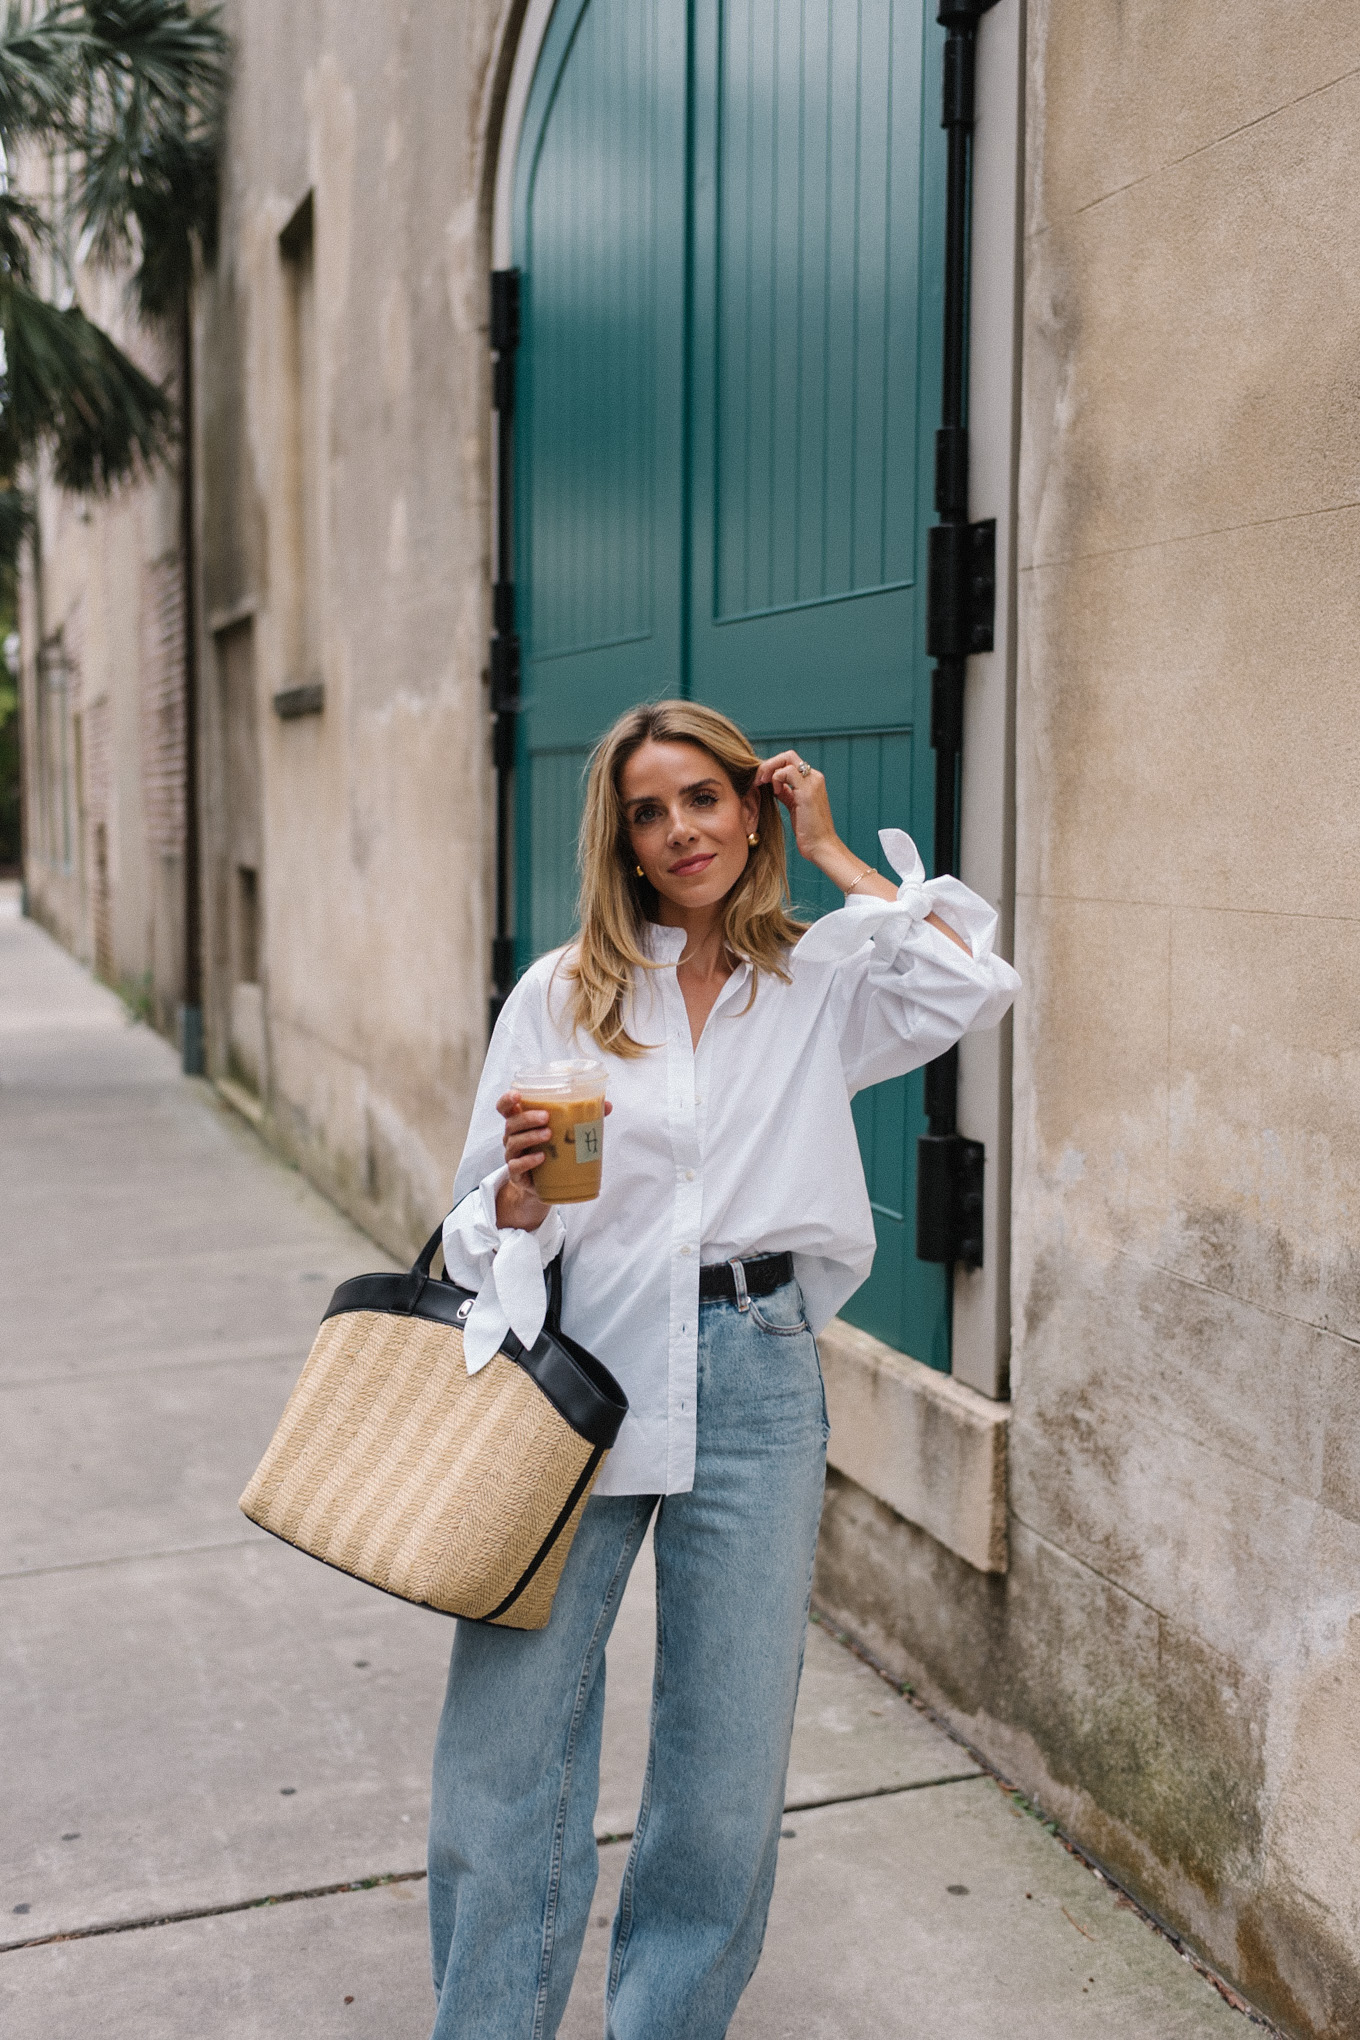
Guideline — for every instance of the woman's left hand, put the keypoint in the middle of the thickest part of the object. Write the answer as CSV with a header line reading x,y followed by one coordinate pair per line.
x,y
801,788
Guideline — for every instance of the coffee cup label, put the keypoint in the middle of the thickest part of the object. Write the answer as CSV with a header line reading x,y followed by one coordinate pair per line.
x,y
587,1138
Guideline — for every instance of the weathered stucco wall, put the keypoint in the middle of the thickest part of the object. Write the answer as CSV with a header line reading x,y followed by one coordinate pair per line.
x,y
103,746
1173,1663
345,477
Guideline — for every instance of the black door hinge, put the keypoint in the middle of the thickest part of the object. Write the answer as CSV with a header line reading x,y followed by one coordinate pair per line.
x,y
949,1171
961,589
504,335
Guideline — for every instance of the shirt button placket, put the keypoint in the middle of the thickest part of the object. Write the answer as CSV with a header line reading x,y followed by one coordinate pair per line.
x,y
684,1236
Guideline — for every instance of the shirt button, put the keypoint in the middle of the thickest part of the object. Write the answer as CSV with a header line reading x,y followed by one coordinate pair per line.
x,y
689,1175
686,1250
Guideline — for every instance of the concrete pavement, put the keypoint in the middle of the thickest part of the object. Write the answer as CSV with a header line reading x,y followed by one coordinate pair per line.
x,y
198,1720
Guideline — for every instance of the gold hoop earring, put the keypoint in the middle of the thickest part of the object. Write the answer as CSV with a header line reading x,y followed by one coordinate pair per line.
x,y
753,840
639,870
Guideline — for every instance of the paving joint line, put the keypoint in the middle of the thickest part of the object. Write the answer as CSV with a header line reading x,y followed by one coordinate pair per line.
x,y
240,1905
841,1799
176,1365
883,1791
209,1912
1100,1871
39,1572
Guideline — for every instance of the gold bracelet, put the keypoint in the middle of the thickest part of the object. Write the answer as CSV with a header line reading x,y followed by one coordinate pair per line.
x,y
866,873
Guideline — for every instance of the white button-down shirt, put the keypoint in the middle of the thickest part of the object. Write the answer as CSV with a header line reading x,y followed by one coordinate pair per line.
x,y
742,1145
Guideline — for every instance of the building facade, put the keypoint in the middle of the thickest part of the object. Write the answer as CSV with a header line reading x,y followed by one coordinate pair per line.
x,y
102,704
1099,1498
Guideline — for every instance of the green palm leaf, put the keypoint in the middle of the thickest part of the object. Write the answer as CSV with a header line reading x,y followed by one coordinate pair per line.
x,y
38,69
67,383
128,95
22,229
163,52
16,521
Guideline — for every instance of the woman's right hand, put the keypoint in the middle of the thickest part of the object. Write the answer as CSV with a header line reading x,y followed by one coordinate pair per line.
x,y
517,1202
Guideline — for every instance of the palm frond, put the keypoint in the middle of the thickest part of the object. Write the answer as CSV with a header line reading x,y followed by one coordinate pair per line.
x,y
174,205
23,228
155,58
155,201
39,49
66,382
130,96
16,521
157,78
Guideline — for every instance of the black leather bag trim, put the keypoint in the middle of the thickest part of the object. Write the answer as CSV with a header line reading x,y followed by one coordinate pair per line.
x,y
586,1475
399,1294
579,1387
575,1383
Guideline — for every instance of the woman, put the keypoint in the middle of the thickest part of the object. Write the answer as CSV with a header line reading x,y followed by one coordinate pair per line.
x,y
733,1222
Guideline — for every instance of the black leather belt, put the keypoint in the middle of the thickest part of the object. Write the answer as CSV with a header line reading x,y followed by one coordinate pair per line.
x,y
765,1274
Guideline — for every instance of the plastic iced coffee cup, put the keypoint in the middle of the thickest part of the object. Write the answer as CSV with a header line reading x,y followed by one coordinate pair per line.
x,y
572,1095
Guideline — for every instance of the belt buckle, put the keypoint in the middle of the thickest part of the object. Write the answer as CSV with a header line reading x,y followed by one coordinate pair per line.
x,y
738,1268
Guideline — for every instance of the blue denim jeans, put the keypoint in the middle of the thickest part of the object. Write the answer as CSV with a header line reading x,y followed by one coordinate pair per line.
x,y
516,1771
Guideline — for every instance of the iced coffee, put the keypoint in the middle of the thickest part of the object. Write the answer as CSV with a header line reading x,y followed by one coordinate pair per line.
x,y
572,1095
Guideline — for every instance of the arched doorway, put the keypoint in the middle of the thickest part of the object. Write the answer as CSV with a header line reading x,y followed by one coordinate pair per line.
x,y
727,219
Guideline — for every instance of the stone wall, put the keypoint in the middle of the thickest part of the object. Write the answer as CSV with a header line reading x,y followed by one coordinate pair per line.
x,y
1172,1664
345,477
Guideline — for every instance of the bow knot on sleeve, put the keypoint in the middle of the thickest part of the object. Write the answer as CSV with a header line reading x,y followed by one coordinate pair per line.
x,y
883,922
504,1267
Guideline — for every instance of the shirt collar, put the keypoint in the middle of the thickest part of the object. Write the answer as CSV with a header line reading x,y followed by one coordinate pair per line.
x,y
741,971
666,946
662,945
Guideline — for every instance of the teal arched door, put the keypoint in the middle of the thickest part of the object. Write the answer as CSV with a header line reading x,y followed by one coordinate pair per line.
x,y
729,226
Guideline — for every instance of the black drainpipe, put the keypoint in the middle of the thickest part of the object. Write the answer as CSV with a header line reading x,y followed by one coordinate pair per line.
x,y
191,1012
960,606
505,642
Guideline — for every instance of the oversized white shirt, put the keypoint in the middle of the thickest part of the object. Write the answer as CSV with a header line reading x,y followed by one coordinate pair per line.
x,y
744,1145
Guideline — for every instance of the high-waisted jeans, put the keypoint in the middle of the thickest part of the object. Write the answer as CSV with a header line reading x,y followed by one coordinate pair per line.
x,y
516,1771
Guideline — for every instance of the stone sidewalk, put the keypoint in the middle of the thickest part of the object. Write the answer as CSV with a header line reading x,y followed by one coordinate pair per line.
x,y
199,1721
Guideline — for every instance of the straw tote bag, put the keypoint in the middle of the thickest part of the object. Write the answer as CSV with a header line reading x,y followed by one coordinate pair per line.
x,y
460,1492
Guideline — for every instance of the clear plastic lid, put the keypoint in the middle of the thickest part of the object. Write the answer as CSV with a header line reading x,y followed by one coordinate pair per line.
x,y
565,1080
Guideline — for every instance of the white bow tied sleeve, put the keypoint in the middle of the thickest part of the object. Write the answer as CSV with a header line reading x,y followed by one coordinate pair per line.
x,y
906,992
505,1267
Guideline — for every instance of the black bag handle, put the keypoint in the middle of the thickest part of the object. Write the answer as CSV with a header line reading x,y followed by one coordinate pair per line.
x,y
424,1261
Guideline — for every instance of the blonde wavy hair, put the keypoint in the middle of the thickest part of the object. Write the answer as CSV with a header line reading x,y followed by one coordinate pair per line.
x,y
616,905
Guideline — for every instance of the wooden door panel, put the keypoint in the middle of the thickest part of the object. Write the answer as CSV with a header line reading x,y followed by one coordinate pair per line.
x,y
815,326
811,463
551,785
807,498
600,224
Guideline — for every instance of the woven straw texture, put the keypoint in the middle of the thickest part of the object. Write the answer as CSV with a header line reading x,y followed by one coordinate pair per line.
x,y
392,1463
